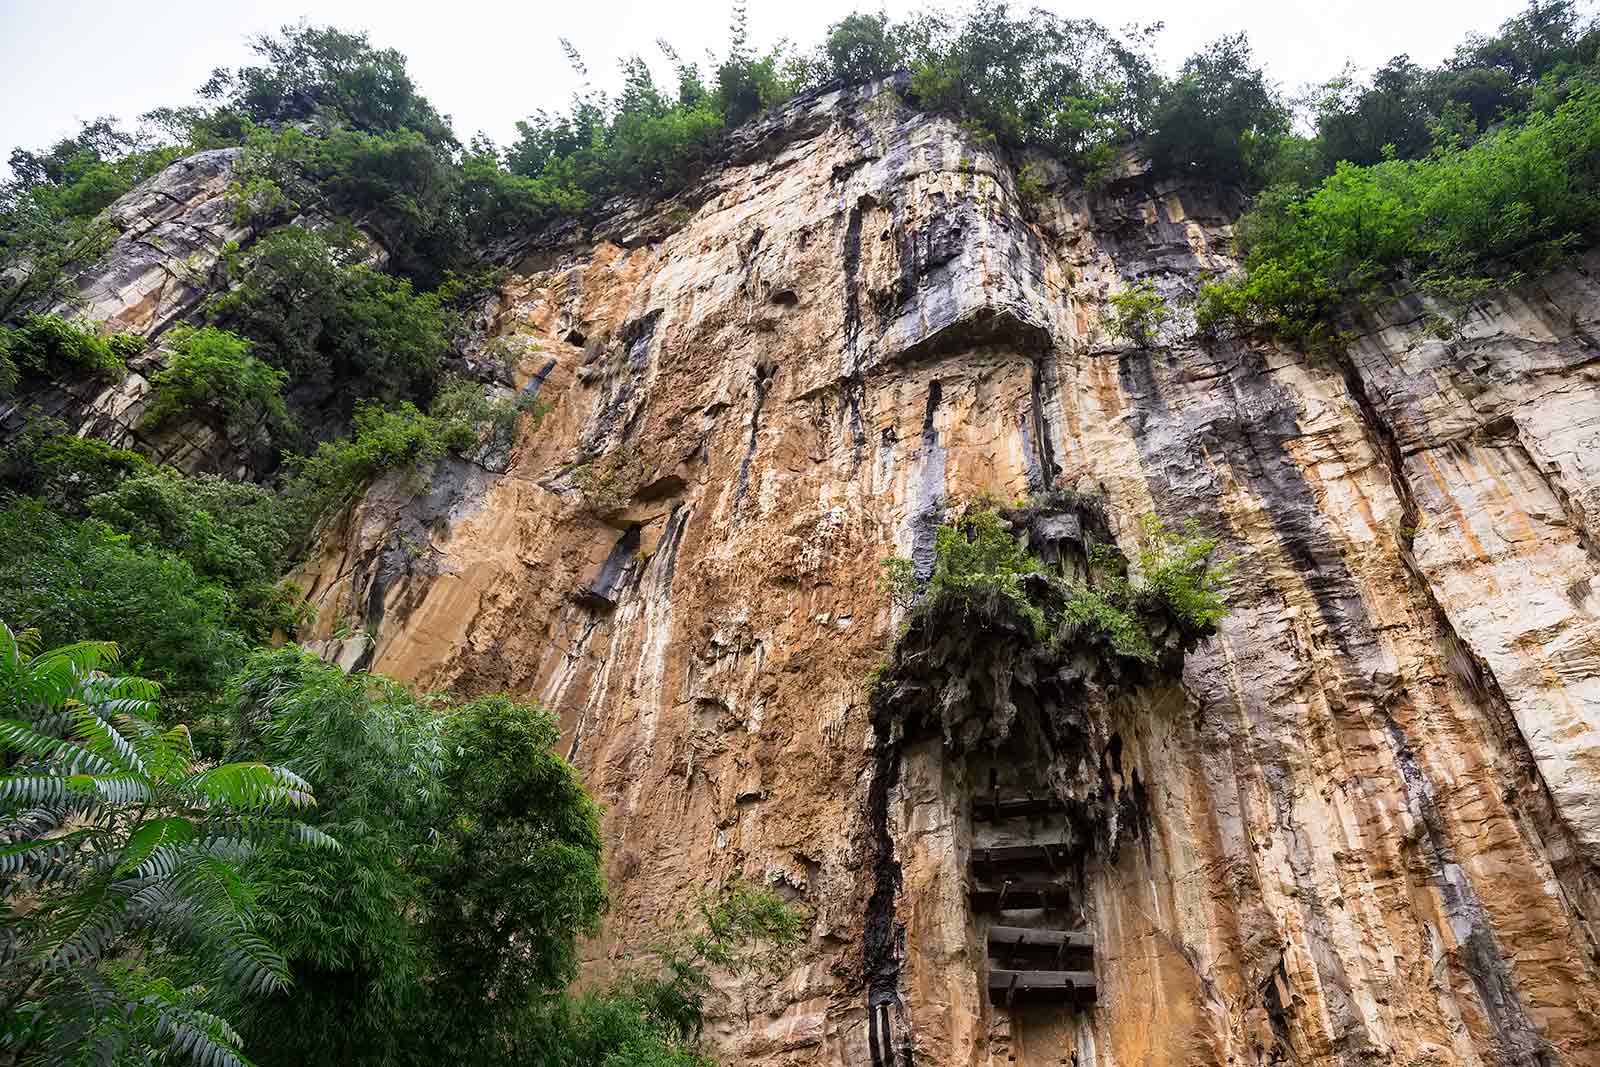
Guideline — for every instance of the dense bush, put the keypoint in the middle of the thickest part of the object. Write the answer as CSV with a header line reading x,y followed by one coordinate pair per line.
x,y
51,347
471,862
73,579
211,372
981,568
1453,223
1221,118
317,311
1536,60
318,72
382,440
1137,314
46,461
1066,86
234,532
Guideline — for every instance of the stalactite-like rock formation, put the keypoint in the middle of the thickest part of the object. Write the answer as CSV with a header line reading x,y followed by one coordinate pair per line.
x,y
1362,827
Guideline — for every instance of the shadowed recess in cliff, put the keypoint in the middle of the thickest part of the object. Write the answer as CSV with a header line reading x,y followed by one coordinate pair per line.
x,y
621,378
927,507
1010,639
1037,436
760,383
602,591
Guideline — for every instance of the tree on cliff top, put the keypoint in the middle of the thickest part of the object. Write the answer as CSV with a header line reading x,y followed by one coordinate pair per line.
x,y
319,72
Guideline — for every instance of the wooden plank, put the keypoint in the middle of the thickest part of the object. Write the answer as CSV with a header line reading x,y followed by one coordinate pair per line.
x,y
986,808
1045,856
1020,893
1075,986
1044,939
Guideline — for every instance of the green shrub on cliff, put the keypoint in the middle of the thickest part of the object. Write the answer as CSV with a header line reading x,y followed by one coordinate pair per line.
x,y
314,309
979,561
212,372
983,572
51,347
1454,224
1137,314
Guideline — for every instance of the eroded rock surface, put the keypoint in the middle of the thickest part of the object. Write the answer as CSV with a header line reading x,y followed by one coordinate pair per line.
x,y
171,232
1368,824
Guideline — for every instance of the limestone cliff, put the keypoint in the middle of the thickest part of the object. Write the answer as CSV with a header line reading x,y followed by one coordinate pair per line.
x,y
1364,827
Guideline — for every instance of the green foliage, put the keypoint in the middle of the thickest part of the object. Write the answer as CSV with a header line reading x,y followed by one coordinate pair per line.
x,y
461,400
981,569
1454,223
383,440
861,47
1176,578
1537,60
70,579
121,849
900,580
51,347
651,1017
235,533
515,877
50,221
211,372
471,861
1176,572
978,562
1068,87
318,72
345,920
1137,314
1220,118
317,312
48,462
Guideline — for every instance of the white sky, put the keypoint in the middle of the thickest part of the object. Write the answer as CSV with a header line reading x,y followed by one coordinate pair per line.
x,y
488,65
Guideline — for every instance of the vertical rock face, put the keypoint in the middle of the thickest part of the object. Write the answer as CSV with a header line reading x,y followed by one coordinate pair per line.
x,y
1364,826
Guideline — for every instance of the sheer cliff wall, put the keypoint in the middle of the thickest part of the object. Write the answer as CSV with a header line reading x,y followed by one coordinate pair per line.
x,y
1368,818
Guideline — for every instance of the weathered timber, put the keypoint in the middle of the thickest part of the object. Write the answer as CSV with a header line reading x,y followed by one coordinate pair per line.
x,y
1020,893
1007,985
1057,950
1016,859
995,808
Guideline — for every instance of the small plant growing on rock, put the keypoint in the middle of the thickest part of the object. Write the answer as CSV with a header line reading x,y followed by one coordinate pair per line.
x,y
1030,186
900,581
1137,314
608,483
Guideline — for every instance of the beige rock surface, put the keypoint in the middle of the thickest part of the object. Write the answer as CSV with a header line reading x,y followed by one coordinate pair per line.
x,y
1366,822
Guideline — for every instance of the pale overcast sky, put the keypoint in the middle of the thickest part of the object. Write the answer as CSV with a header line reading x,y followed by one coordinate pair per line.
x,y
487,65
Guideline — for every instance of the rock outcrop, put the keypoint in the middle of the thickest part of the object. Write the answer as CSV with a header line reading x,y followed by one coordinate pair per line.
x,y
170,233
1364,826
